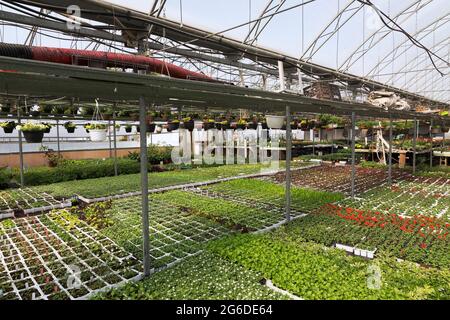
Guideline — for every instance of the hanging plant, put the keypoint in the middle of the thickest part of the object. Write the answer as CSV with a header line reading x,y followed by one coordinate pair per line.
x,y
223,125
173,125
128,128
208,124
241,124
275,122
8,127
97,131
35,110
70,127
188,124
33,133
48,127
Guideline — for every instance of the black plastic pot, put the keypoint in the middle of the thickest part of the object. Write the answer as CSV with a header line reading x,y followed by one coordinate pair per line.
x,y
264,125
35,113
189,125
209,125
150,127
70,129
222,126
33,136
172,126
252,125
8,129
240,126
128,129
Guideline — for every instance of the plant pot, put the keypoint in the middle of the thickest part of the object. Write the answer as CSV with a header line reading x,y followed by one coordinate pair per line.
x,y
35,113
172,126
241,126
47,130
252,125
8,130
97,135
189,125
275,122
33,136
70,129
150,128
128,129
264,125
209,125
222,126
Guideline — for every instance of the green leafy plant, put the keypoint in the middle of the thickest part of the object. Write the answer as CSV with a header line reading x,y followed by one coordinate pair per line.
x,y
32,127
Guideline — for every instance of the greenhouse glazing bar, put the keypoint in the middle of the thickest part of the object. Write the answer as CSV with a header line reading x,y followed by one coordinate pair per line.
x,y
431,140
414,144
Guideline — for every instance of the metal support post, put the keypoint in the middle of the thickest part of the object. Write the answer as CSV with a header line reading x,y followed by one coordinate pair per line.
x,y
57,137
115,140
431,141
19,121
288,163
353,154
390,150
414,144
144,184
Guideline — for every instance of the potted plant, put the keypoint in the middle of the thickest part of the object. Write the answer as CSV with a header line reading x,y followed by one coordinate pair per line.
x,y
275,122
86,127
8,126
264,125
208,124
97,131
253,124
33,132
35,110
303,125
241,124
150,127
188,124
70,127
223,125
173,125
128,128
6,108
48,127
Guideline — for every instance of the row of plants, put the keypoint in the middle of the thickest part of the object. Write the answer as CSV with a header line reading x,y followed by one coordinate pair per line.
x,y
254,191
40,254
312,271
22,200
338,178
202,277
126,183
426,196
420,239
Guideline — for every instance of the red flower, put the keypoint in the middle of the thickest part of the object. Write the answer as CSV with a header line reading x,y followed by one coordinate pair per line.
x,y
423,245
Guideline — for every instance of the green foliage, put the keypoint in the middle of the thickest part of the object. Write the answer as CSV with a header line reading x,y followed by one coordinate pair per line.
x,y
32,127
314,272
68,170
96,126
203,277
98,215
155,154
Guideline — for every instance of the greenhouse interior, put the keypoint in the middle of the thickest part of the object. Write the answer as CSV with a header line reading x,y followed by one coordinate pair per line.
x,y
225,150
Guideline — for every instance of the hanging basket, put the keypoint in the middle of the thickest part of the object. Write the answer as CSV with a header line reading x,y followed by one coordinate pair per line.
x,y
128,129
189,125
252,125
33,136
275,122
70,129
172,126
97,135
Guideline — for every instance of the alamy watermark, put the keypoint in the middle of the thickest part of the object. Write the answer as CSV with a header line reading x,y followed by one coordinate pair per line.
x,y
228,147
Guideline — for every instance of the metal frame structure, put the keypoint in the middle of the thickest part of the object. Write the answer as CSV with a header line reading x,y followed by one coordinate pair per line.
x,y
192,46
242,62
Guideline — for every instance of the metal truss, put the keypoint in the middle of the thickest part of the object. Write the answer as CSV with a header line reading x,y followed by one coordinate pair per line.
x,y
381,33
331,29
406,45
